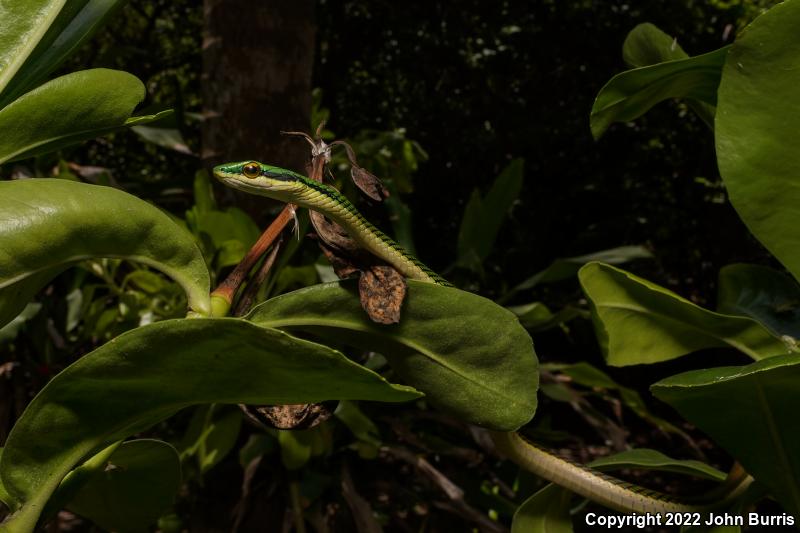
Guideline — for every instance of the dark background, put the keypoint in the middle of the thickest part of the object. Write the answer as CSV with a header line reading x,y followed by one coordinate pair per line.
x,y
476,84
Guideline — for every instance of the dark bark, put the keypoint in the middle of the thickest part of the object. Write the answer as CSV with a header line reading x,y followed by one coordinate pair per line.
x,y
257,63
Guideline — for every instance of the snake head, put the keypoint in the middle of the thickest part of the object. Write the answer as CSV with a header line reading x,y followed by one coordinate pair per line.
x,y
257,178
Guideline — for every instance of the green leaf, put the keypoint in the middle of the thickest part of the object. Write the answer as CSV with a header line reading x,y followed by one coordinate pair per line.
x,y
358,423
5,497
70,109
144,376
655,460
566,267
758,117
483,217
632,93
468,355
211,435
170,138
295,448
75,23
204,199
537,317
24,25
136,487
639,322
50,224
257,445
9,331
764,294
589,376
647,45
751,411
547,511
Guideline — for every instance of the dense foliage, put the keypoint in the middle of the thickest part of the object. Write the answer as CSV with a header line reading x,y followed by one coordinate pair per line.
x,y
478,121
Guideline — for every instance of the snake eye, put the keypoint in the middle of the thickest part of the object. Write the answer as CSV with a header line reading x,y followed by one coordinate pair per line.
x,y
251,170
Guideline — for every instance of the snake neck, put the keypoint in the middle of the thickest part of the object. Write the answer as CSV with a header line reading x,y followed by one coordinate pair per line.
x,y
338,208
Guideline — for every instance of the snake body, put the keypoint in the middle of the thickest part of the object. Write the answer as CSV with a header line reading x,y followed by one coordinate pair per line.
x,y
287,186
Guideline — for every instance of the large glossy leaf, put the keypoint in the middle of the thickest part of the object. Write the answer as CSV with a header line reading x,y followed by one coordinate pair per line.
x,y
566,267
640,322
632,93
75,23
24,25
70,109
757,119
762,293
468,355
750,411
136,486
49,224
647,45
146,375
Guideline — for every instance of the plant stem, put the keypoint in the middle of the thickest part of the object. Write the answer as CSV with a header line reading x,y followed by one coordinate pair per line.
x,y
228,288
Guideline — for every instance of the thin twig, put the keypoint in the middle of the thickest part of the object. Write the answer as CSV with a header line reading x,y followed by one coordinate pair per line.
x,y
228,288
249,295
454,493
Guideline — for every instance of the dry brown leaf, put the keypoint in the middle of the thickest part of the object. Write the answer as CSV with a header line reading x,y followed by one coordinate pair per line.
x,y
382,290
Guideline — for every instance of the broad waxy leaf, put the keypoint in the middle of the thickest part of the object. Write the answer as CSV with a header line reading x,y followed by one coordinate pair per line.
x,y
144,376
136,487
47,225
639,322
468,355
632,93
647,45
77,21
764,294
751,411
566,267
70,109
24,25
758,118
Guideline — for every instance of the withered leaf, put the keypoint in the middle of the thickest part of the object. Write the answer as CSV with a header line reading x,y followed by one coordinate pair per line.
x,y
343,265
332,233
294,416
382,290
368,183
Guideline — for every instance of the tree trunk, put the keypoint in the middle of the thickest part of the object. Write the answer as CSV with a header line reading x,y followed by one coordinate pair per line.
x,y
257,62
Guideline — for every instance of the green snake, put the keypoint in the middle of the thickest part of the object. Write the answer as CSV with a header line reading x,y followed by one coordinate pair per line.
x,y
287,186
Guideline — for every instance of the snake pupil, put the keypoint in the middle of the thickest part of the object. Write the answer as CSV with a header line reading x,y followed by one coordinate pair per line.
x,y
251,170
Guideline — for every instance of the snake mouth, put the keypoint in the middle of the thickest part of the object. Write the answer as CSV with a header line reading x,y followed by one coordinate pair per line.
x,y
238,182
